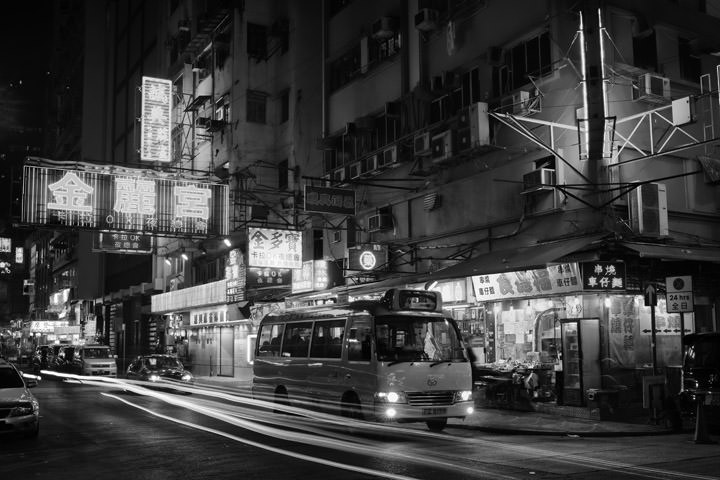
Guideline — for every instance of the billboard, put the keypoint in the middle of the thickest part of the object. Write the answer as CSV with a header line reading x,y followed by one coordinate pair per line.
x,y
156,120
329,200
268,247
123,200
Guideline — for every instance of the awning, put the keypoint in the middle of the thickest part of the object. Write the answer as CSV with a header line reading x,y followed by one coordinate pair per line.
x,y
518,259
675,252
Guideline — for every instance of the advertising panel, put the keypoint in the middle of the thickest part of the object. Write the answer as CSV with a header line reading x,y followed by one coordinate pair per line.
x,y
605,276
125,200
156,121
269,247
555,279
368,257
329,200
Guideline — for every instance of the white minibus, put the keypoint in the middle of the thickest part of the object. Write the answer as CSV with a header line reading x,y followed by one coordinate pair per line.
x,y
395,359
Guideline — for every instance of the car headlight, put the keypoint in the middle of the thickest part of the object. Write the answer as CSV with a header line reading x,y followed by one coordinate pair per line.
x,y
187,377
22,410
391,397
154,378
463,395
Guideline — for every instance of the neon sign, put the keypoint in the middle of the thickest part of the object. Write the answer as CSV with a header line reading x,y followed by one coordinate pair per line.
x,y
156,119
134,195
70,194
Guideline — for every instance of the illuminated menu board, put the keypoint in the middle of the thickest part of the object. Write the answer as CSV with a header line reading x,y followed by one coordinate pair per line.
x,y
128,200
156,124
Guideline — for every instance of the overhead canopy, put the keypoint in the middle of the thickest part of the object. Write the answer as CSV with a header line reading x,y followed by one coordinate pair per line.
x,y
521,258
674,252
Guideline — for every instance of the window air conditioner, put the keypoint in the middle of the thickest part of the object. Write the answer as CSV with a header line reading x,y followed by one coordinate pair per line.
x,y
647,205
652,88
474,126
378,222
355,170
338,175
517,103
370,165
421,145
426,19
336,236
542,179
383,27
389,157
326,179
442,146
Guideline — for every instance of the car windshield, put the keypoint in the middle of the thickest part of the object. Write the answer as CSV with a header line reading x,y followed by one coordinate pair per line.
x,y
163,362
413,338
704,353
96,352
10,379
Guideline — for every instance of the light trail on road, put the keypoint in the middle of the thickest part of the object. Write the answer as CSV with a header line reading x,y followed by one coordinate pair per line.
x,y
233,409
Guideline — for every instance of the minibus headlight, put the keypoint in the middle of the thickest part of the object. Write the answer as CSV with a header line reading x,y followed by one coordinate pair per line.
x,y
463,395
391,397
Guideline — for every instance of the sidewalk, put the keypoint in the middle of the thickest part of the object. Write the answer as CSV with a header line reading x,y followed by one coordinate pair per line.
x,y
509,421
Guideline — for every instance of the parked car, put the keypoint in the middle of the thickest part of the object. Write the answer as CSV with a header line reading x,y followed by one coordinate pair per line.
x,y
158,367
94,360
701,372
19,409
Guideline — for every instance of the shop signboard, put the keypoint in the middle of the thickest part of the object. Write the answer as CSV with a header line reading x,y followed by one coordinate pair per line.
x,y
603,276
268,277
122,242
268,247
368,257
94,197
329,200
5,245
235,276
156,120
302,278
553,280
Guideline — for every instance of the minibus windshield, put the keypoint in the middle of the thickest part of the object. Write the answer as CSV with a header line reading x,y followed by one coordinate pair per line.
x,y
405,338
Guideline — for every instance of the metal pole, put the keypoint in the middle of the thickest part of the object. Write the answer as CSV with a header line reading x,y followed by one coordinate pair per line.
x,y
654,346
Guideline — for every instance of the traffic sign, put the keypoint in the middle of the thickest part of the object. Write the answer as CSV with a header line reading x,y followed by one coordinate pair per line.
x,y
650,295
679,294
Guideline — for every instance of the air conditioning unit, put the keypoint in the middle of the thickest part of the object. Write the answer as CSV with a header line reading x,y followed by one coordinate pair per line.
x,y
474,126
336,236
389,157
442,146
383,27
338,175
421,145
203,122
542,179
652,88
369,165
379,221
355,169
426,19
517,103
647,205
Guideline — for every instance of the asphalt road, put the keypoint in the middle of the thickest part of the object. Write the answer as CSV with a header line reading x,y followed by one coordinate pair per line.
x,y
96,432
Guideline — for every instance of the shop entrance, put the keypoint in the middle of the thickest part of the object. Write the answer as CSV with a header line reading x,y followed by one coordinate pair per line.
x,y
580,358
227,350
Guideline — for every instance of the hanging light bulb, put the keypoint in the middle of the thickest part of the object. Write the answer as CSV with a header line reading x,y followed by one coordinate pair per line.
x,y
184,255
167,260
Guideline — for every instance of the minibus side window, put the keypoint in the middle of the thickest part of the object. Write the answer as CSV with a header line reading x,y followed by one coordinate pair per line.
x,y
297,340
269,341
327,339
359,338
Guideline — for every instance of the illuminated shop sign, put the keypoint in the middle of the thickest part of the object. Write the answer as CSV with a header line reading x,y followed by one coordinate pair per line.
x,y
274,248
329,200
5,245
314,275
19,255
555,279
603,275
47,326
235,276
5,267
122,242
368,257
156,120
138,201
268,277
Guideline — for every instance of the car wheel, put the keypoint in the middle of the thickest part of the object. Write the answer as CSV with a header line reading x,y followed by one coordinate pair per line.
x,y
351,408
281,398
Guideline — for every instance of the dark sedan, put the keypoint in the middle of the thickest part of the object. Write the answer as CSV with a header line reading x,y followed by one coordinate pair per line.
x,y
157,368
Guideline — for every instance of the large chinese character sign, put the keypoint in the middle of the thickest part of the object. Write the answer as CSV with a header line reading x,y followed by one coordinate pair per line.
x,y
144,202
156,122
268,247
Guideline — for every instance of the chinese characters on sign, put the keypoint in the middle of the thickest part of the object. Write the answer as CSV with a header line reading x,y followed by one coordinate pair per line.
x,y
235,276
313,276
368,257
679,293
329,200
560,278
122,242
156,120
274,248
268,277
603,275
5,244
142,202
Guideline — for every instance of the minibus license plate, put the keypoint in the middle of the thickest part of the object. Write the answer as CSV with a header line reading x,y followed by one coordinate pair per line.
x,y
434,411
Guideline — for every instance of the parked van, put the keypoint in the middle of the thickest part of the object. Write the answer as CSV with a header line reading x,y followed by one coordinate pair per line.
x,y
95,360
